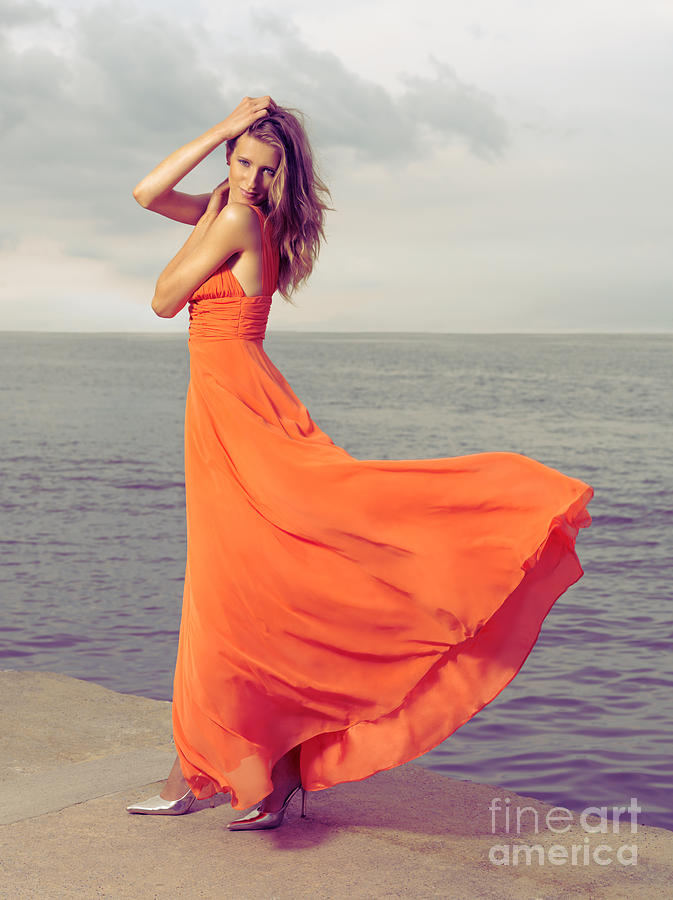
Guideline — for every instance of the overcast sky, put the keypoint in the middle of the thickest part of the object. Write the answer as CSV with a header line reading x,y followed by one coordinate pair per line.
x,y
502,165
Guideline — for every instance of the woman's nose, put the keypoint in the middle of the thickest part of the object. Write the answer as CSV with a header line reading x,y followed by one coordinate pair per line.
x,y
252,180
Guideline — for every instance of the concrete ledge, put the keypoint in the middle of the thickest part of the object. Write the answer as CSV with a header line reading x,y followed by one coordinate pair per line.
x,y
53,789
408,832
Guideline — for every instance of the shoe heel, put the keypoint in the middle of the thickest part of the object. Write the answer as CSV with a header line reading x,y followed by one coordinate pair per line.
x,y
256,819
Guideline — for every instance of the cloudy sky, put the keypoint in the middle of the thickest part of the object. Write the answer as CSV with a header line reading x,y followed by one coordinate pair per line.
x,y
502,165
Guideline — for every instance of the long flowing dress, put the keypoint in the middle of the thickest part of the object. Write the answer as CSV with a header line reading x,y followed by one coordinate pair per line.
x,y
364,609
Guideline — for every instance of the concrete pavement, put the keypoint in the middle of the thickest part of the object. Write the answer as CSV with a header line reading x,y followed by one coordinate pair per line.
x,y
74,754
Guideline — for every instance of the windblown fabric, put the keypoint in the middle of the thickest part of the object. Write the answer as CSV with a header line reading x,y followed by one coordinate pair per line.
x,y
364,609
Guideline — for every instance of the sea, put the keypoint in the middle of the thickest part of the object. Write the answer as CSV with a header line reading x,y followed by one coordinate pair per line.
x,y
94,536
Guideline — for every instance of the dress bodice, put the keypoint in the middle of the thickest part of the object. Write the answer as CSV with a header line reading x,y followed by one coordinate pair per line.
x,y
220,308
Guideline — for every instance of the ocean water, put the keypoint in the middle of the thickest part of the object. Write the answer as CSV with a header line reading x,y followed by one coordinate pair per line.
x,y
94,541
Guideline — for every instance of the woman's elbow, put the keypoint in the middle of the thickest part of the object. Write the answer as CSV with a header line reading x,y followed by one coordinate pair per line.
x,y
160,309
164,313
140,196
166,308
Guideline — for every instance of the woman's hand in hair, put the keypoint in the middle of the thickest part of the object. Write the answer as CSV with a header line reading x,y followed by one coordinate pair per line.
x,y
248,110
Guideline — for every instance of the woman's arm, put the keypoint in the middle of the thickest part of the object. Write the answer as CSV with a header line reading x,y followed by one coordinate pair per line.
x,y
217,236
217,201
155,191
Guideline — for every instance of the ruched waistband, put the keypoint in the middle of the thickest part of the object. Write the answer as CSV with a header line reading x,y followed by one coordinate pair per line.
x,y
229,317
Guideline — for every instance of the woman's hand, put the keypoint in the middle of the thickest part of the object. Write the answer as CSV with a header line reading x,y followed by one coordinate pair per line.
x,y
247,111
218,199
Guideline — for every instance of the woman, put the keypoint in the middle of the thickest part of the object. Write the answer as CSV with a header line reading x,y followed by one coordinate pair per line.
x,y
340,616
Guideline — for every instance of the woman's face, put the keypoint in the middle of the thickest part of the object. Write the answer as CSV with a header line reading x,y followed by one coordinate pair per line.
x,y
252,165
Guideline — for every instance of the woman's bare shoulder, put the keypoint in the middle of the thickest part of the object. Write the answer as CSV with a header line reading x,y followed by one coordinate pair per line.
x,y
239,217
239,212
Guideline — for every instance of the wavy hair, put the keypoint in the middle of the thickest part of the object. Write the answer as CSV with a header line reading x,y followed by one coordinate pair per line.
x,y
295,205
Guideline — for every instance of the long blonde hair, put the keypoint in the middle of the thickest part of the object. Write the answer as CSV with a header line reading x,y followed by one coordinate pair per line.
x,y
295,208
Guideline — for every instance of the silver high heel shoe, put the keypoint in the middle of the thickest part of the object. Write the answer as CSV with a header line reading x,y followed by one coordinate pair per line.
x,y
259,819
157,806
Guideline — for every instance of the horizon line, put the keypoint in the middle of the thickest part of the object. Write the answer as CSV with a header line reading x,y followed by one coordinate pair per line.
x,y
185,333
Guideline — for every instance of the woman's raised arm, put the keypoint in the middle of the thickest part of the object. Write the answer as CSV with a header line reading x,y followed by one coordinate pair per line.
x,y
155,191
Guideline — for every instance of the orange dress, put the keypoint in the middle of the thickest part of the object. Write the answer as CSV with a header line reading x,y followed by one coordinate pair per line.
x,y
364,609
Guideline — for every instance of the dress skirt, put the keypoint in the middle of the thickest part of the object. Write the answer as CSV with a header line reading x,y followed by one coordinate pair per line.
x,y
363,609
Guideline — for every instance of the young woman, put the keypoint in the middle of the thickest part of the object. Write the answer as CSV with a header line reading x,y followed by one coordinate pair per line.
x,y
340,616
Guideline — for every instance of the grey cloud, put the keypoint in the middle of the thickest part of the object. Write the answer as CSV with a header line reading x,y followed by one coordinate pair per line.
x,y
30,82
145,76
350,112
448,106
81,130
28,12
83,125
